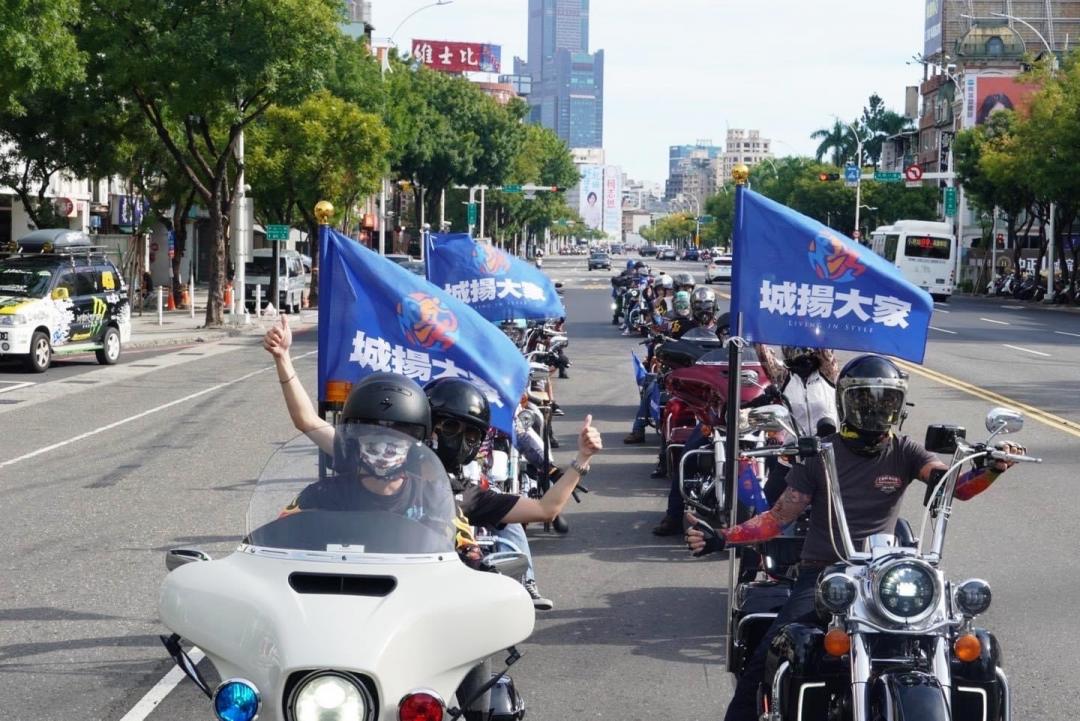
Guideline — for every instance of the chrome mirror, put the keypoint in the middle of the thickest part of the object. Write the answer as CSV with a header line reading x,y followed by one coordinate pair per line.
x,y
508,563
538,371
559,341
770,418
177,557
1004,420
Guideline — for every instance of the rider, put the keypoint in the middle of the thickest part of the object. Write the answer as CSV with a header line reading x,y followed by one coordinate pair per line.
x,y
640,280
461,418
875,466
684,281
659,300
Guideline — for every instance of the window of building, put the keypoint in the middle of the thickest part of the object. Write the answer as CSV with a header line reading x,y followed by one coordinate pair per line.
x,y
995,46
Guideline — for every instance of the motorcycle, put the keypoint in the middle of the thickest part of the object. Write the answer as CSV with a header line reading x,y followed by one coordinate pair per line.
x,y
899,640
331,610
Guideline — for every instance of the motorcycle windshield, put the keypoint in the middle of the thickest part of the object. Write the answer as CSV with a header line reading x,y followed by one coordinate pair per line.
x,y
747,356
380,491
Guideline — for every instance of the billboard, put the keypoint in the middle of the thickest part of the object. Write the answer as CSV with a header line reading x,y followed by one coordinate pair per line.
x,y
591,195
932,40
613,201
452,57
986,94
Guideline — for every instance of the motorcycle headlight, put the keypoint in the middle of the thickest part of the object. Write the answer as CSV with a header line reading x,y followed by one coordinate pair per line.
x,y
614,306
329,696
14,319
973,596
836,592
906,591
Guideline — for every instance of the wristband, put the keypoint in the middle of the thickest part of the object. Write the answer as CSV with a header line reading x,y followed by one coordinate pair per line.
x,y
287,379
582,471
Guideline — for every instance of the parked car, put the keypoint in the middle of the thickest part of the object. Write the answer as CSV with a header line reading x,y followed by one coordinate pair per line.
x,y
61,295
667,254
599,261
293,279
648,251
718,269
691,254
617,250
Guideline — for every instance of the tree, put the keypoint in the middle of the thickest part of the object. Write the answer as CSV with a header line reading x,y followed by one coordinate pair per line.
x,y
38,49
836,140
250,56
542,159
881,123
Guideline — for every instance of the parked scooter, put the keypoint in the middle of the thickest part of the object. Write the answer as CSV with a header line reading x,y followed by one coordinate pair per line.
x,y
331,608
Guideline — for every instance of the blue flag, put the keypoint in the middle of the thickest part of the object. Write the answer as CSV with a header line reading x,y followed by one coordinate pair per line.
x,y
639,369
375,315
750,493
495,284
797,282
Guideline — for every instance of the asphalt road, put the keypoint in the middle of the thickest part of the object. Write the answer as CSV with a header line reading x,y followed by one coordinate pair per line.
x,y
90,500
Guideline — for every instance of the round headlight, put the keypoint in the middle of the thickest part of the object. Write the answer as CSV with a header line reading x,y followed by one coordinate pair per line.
x,y
836,592
973,596
907,591
236,700
329,696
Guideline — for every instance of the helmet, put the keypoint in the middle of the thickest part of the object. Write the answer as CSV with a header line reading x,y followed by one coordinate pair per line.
x,y
389,399
381,399
461,416
684,281
665,282
630,264
800,359
682,304
870,396
703,304
642,269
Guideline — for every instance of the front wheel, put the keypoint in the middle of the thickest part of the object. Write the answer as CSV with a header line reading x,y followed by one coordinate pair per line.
x,y
40,353
110,351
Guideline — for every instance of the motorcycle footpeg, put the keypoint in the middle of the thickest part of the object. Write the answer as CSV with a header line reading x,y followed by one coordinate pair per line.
x,y
560,525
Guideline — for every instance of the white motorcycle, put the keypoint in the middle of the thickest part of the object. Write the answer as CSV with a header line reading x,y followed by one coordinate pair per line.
x,y
345,603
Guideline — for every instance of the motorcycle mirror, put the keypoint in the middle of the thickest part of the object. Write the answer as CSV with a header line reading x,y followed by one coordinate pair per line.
x,y
559,340
509,563
538,371
770,418
558,284
177,557
1004,420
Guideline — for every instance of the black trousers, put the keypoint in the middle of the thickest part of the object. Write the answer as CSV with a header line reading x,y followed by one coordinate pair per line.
x,y
799,608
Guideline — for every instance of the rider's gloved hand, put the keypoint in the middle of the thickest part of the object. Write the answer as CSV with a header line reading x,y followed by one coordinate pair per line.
x,y
701,538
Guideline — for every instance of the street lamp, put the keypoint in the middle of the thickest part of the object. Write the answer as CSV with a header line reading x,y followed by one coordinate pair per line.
x,y
870,209
858,165
414,12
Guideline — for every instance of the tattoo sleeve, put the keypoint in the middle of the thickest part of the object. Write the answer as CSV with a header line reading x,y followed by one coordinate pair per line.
x,y
774,369
830,369
974,482
769,524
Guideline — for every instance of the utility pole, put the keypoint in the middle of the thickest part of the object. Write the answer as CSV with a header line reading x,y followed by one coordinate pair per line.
x,y
240,231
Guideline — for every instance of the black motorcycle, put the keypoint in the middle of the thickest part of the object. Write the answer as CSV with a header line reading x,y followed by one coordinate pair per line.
x,y
897,639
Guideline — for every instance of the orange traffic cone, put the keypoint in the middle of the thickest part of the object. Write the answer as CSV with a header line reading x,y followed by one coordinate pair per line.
x,y
185,299
228,295
171,304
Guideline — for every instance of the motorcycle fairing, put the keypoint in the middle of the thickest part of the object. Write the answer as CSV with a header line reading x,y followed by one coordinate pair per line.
x,y
908,696
428,632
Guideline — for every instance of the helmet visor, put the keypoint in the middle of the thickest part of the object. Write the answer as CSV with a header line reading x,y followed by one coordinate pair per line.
x,y
873,408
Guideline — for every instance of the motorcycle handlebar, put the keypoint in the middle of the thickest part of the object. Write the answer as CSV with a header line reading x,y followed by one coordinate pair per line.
x,y
1013,457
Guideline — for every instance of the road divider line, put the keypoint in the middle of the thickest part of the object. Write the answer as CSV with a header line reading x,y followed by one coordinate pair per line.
x,y
1045,417
1026,350
942,310
1013,307
942,330
15,385
137,416
991,320
161,689
1062,332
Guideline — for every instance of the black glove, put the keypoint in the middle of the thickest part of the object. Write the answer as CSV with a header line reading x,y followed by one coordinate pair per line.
x,y
773,394
714,542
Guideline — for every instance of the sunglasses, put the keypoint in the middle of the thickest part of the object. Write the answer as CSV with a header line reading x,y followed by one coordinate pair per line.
x,y
453,427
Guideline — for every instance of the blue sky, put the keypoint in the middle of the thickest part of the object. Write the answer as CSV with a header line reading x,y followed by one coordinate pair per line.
x,y
682,70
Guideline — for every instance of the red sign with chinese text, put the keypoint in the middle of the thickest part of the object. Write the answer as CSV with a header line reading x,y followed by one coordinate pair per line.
x,y
453,57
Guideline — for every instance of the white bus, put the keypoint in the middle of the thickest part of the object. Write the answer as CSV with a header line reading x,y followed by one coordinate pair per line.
x,y
924,251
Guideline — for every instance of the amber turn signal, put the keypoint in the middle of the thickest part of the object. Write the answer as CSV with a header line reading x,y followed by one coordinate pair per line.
x,y
337,391
967,647
837,642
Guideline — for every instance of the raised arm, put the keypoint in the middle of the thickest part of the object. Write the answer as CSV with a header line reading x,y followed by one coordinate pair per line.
x,y
277,342
774,368
761,527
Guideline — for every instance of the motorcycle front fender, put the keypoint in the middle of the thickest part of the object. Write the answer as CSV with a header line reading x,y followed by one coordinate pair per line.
x,y
908,696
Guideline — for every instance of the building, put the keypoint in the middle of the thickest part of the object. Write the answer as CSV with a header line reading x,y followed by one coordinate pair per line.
x,y
744,146
357,19
693,170
567,90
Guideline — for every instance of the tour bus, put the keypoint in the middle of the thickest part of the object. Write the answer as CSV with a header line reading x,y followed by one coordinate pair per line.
x,y
924,251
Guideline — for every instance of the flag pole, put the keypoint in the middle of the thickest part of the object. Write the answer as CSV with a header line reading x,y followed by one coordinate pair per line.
x,y
740,174
324,210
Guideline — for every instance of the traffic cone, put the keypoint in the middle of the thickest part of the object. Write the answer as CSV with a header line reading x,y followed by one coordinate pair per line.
x,y
185,299
228,296
170,304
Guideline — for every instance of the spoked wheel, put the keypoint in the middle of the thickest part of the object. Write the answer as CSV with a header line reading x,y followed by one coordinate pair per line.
x,y
40,353
110,352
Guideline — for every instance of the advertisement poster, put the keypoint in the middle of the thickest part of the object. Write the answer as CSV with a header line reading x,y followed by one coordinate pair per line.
x,y
932,38
451,57
590,204
996,92
613,201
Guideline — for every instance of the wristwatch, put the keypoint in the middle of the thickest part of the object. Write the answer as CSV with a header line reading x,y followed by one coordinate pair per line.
x,y
581,470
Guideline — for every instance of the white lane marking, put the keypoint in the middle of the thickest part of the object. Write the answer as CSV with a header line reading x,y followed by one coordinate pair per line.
x,y
137,416
991,320
1026,350
1013,307
942,330
1061,332
941,310
15,385
161,689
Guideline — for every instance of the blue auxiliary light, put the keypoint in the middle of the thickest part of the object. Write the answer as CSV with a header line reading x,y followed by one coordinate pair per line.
x,y
236,700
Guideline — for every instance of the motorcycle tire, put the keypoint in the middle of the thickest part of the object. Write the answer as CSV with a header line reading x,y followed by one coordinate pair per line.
x,y
560,525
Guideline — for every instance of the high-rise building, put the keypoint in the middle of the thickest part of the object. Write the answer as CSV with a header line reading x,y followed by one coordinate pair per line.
x,y
567,80
357,18
744,146
692,170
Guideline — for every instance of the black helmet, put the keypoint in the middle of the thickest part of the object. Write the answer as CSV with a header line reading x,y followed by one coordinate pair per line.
x,y
703,304
461,416
870,395
801,360
389,399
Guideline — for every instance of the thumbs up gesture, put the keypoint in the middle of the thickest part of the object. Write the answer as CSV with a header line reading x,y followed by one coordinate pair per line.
x,y
589,441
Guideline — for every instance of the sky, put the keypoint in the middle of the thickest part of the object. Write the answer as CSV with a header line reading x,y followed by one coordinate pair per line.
x,y
684,70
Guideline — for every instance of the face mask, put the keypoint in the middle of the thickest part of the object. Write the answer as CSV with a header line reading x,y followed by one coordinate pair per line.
x,y
456,443
864,443
383,458
803,365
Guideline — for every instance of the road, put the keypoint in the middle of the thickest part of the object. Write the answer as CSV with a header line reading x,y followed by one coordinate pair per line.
x,y
99,479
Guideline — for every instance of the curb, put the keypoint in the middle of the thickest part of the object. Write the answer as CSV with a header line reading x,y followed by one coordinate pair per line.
x,y
1027,304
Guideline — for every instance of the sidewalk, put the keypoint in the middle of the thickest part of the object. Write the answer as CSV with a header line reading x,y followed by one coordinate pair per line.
x,y
1009,300
179,328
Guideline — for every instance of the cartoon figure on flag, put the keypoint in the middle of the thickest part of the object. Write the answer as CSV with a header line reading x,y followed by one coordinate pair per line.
x,y
426,322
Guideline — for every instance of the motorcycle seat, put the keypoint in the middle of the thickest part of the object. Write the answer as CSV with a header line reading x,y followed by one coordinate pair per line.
x,y
680,435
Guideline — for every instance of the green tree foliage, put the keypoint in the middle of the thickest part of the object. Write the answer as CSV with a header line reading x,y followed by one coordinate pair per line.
x,y
38,49
542,159
671,229
203,72
835,142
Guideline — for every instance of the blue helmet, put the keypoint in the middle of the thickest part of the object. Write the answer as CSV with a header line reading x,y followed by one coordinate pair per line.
x,y
629,265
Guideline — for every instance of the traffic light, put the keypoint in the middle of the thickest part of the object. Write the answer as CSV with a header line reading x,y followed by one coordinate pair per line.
x,y
826,177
